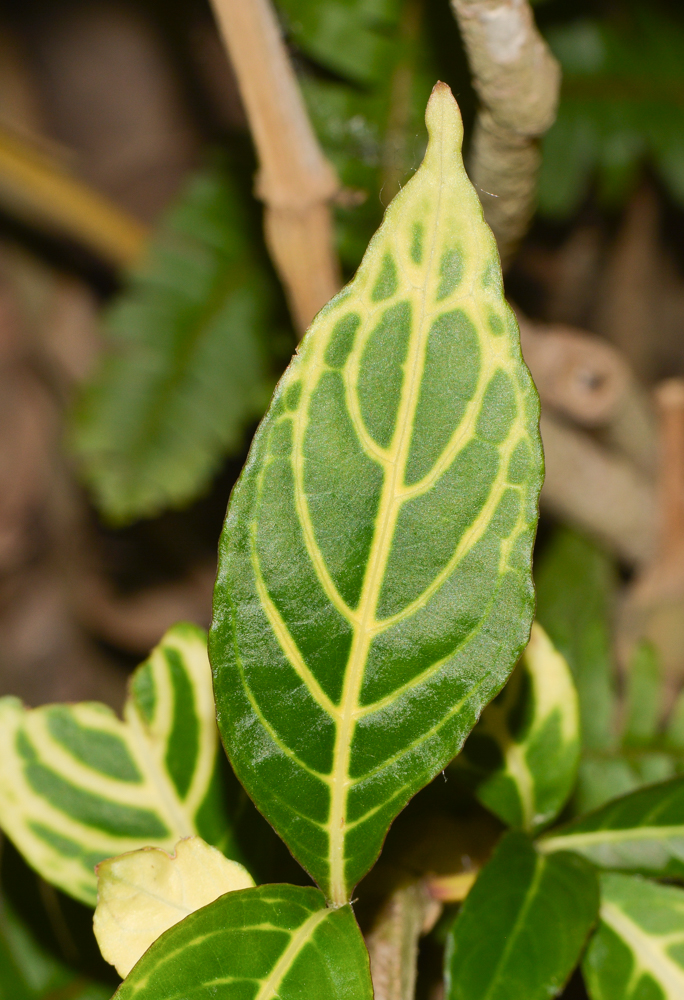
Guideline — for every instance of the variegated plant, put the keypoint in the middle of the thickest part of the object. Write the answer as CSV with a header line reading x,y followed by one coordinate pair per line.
x,y
374,595
374,585
78,785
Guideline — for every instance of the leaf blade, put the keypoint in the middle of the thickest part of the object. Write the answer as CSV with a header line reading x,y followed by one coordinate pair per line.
x,y
640,832
279,940
637,948
78,785
534,726
322,621
537,920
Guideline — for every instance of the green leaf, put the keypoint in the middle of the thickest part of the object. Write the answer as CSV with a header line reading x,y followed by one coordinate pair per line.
x,y
349,37
644,696
78,785
186,370
526,745
275,942
30,972
522,926
374,584
637,952
641,832
621,107
575,583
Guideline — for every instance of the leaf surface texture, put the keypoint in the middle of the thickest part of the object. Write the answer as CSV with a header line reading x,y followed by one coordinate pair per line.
x,y
374,585
274,942
638,948
522,926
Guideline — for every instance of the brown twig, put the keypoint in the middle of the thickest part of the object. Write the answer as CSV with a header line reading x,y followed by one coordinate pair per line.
x,y
392,943
295,180
517,80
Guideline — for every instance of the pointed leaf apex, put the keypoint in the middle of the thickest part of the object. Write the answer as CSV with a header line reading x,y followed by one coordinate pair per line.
x,y
443,117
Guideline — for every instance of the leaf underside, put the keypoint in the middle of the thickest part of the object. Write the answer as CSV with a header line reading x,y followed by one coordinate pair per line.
x,y
640,832
522,926
274,942
78,785
638,949
374,585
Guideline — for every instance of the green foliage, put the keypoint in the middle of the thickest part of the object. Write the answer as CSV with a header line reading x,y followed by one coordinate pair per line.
x,y
30,972
524,751
380,599
640,832
274,942
621,106
638,949
78,785
523,925
187,366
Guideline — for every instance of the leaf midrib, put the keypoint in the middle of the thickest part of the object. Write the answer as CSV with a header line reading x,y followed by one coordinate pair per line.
x,y
649,956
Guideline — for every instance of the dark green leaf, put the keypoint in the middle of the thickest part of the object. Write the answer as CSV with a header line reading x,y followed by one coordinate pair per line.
x,y
637,952
186,368
374,589
575,582
641,832
523,925
644,696
274,942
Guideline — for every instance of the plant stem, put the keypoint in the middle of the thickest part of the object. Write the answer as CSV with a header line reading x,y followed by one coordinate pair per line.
x,y
295,180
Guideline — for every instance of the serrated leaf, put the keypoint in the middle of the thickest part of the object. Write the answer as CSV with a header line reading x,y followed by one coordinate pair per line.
x,y
143,893
641,832
274,942
638,949
186,368
522,926
374,584
78,785
525,748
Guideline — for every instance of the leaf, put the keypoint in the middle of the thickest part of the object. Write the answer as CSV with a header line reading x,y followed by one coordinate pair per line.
x,y
638,949
522,926
78,785
575,583
187,369
525,747
644,696
275,942
30,972
143,893
349,38
374,585
621,108
641,832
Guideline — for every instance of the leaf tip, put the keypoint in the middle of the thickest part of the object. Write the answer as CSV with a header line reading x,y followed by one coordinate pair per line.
x,y
443,115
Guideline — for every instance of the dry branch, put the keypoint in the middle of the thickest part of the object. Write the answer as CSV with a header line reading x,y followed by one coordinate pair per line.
x,y
517,80
295,180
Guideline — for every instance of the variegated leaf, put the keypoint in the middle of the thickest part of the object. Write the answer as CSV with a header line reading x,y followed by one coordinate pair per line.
x,y
374,586
273,942
637,952
525,748
78,785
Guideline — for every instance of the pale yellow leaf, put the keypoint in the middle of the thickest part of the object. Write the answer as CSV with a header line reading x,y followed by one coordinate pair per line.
x,y
143,893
